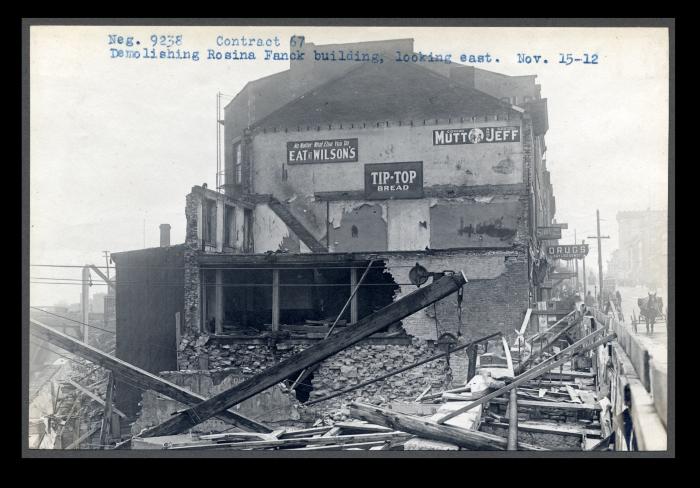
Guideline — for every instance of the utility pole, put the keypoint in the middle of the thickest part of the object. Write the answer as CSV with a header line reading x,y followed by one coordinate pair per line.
x,y
85,302
576,261
600,254
106,253
585,289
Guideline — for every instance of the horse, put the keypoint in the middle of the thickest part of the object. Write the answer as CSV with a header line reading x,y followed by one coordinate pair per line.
x,y
650,307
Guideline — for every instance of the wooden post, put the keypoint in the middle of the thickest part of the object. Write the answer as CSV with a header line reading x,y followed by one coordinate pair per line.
x,y
275,299
353,300
139,377
513,420
407,305
107,412
471,369
219,303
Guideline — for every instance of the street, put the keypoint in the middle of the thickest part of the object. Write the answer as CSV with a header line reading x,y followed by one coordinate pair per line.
x,y
657,343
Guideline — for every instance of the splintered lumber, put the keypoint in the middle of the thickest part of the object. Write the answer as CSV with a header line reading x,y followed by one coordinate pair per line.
x,y
535,354
470,439
107,413
462,397
415,301
433,396
80,439
553,362
361,427
382,445
400,370
137,376
309,441
420,397
95,397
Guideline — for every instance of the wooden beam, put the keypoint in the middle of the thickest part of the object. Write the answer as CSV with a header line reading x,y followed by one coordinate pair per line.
x,y
95,397
469,439
107,413
301,441
80,439
419,299
553,362
353,300
137,376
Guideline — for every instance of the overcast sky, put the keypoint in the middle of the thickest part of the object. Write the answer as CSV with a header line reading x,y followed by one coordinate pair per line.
x,y
119,142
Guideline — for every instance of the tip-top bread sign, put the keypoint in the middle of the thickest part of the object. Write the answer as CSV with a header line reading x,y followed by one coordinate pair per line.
x,y
476,135
385,181
576,251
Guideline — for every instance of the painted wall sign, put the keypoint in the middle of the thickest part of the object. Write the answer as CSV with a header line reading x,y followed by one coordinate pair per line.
x,y
548,232
577,251
326,151
476,135
384,181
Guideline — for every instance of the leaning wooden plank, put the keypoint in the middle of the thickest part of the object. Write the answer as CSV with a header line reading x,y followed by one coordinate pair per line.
x,y
137,376
342,447
537,353
95,397
305,432
409,304
469,439
82,438
280,443
105,428
362,427
439,394
333,432
535,372
420,397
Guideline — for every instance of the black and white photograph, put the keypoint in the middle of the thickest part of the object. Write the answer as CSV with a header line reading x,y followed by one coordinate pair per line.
x,y
269,238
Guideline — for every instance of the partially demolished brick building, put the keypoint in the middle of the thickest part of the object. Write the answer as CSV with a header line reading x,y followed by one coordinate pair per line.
x,y
336,174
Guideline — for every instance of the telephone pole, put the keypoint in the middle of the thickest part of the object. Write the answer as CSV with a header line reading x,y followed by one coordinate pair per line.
x,y
585,289
106,253
576,261
600,254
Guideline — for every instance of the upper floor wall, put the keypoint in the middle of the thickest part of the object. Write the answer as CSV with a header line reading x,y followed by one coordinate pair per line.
x,y
291,163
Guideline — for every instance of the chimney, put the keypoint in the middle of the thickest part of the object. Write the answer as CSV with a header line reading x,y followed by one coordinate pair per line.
x,y
164,235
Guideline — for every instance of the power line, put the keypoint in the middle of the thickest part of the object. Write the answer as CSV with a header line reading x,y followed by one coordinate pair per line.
x,y
73,320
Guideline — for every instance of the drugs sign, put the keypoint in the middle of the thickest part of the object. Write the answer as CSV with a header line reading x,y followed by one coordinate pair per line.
x,y
394,180
476,135
575,251
327,151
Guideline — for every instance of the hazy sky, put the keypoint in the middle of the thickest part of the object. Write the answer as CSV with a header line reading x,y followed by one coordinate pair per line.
x,y
116,142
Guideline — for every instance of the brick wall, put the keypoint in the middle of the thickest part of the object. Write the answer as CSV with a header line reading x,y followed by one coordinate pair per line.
x,y
495,297
193,297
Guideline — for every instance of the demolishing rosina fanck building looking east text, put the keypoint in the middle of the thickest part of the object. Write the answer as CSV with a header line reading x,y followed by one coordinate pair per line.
x,y
337,175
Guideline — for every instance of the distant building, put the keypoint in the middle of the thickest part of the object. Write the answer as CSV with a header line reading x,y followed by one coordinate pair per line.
x,y
641,258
